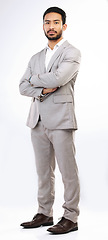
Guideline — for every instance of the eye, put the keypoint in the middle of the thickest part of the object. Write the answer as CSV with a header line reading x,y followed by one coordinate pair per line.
x,y
56,22
46,22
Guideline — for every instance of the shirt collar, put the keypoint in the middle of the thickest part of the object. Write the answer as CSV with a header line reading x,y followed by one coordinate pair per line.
x,y
57,45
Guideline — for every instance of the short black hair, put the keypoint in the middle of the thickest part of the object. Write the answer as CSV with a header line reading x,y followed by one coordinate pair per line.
x,y
57,10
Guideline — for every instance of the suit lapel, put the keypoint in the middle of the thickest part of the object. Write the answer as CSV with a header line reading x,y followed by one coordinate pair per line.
x,y
56,54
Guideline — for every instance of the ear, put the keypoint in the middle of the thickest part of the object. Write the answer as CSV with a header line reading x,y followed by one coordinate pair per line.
x,y
64,26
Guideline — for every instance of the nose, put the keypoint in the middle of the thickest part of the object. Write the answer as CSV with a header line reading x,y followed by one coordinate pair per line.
x,y
51,26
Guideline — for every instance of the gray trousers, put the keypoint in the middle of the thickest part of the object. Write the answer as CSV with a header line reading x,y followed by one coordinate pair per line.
x,y
47,145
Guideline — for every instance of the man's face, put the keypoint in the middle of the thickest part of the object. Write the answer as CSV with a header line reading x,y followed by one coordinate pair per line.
x,y
53,26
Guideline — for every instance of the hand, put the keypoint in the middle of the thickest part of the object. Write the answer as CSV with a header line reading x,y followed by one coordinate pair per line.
x,y
48,90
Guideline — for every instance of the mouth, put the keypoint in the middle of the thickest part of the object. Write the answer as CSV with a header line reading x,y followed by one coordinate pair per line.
x,y
51,32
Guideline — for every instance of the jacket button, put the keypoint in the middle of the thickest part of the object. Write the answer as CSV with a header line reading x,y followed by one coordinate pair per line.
x,y
41,100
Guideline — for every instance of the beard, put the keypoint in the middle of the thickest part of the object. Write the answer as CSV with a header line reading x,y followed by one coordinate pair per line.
x,y
53,38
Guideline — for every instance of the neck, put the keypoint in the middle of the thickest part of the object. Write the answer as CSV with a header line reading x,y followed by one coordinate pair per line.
x,y
52,43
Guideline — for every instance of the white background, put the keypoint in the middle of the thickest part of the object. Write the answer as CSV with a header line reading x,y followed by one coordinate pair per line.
x,y
21,36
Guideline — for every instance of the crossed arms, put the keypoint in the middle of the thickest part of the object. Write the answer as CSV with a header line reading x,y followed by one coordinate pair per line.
x,y
32,85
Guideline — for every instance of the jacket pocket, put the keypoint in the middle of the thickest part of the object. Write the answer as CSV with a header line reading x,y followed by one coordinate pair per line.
x,y
62,99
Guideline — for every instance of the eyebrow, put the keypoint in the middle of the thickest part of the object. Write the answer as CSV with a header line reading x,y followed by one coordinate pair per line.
x,y
53,20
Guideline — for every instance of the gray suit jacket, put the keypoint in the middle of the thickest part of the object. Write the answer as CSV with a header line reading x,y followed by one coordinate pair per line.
x,y
57,110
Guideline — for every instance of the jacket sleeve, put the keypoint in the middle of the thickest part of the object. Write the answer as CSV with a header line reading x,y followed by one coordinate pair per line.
x,y
66,71
25,86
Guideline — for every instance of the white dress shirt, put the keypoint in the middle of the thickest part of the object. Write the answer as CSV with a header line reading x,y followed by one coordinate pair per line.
x,y
50,52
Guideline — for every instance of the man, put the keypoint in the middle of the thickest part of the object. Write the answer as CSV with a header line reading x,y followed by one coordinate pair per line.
x,y
49,80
